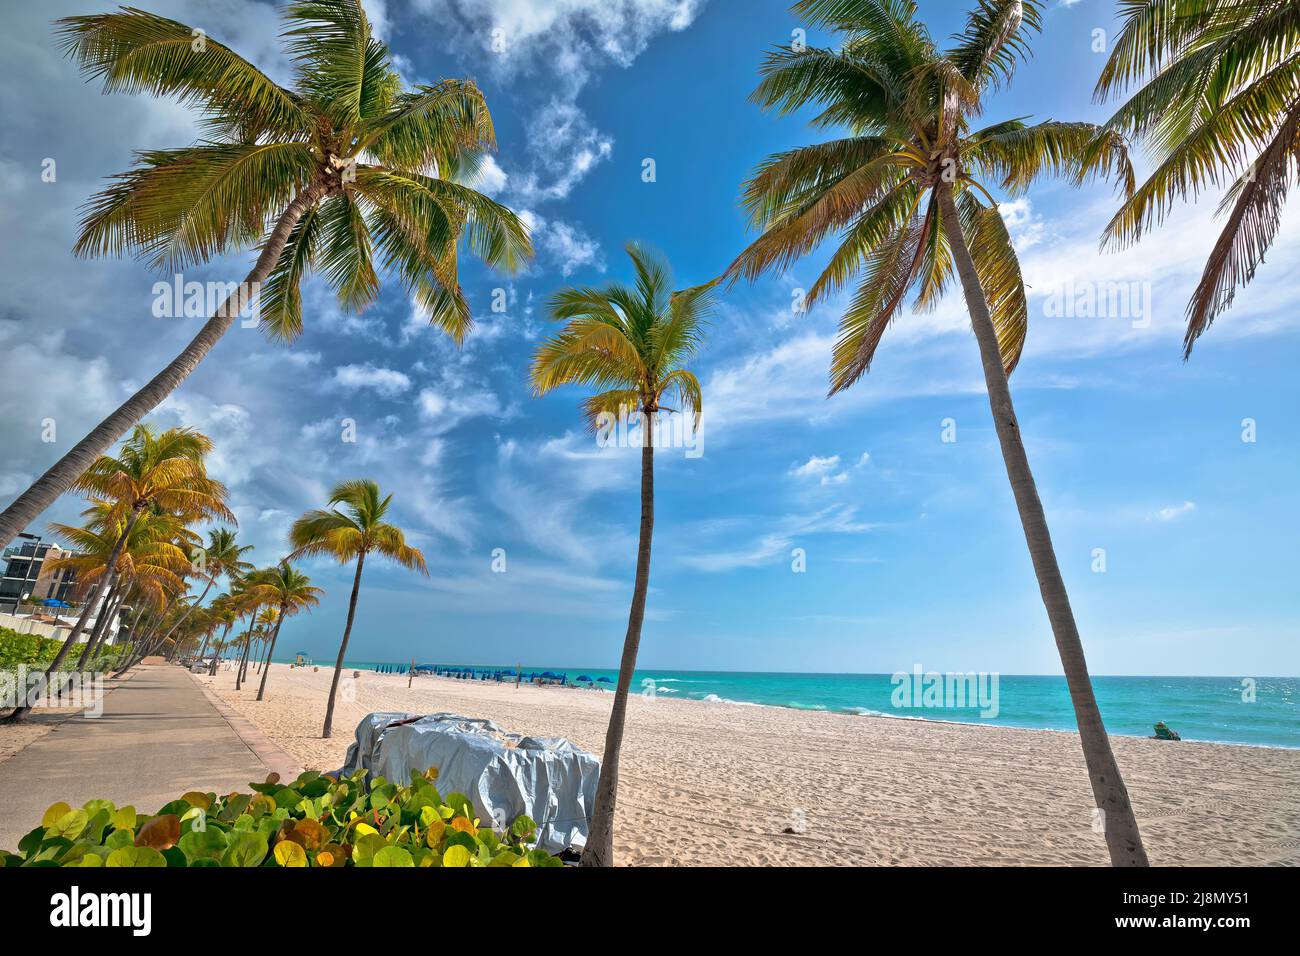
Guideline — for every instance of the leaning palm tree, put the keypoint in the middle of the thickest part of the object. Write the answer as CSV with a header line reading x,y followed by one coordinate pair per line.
x,y
347,535
222,557
632,345
347,173
292,591
151,473
1219,102
225,611
908,190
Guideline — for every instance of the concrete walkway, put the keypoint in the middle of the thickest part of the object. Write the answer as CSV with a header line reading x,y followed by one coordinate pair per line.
x,y
159,736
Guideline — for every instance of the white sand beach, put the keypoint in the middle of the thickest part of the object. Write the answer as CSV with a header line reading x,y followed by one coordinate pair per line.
x,y
719,784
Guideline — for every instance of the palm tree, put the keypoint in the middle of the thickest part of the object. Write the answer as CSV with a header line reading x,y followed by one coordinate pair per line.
x,y
903,188
292,592
344,172
632,344
1219,101
222,557
151,471
352,533
149,560
253,599
268,620
225,611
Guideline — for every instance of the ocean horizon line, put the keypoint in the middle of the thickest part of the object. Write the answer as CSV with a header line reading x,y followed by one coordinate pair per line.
x,y
719,670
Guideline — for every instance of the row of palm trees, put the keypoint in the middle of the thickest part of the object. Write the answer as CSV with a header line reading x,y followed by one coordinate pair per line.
x,y
138,550
350,175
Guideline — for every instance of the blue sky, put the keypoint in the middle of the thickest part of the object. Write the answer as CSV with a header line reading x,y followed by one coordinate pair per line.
x,y
913,549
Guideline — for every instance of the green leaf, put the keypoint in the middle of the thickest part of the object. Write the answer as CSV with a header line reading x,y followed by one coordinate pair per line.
x,y
70,825
246,849
135,856
124,818
456,856
203,844
364,850
392,856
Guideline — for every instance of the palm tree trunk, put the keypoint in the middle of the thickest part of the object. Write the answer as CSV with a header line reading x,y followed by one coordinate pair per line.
x,y
106,580
207,636
111,606
101,622
343,648
138,631
243,660
60,476
221,647
599,850
189,610
147,642
261,688
92,654
1122,837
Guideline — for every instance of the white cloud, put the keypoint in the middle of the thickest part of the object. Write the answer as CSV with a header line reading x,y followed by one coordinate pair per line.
x,y
566,42
386,381
817,467
1173,512
777,543
490,179
567,147
566,246
445,410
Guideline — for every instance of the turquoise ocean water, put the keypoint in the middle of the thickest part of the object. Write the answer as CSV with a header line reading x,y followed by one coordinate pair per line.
x,y
1199,708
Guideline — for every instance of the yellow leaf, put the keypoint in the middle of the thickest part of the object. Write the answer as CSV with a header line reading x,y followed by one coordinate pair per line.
x,y
125,818
288,853
464,826
433,835
455,856
55,811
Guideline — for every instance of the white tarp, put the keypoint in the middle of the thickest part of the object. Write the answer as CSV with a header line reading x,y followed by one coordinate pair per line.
x,y
503,774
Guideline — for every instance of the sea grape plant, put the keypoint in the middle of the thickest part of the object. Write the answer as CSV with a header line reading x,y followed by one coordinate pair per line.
x,y
318,820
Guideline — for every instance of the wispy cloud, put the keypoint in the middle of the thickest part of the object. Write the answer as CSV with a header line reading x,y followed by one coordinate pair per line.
x,y
1173,512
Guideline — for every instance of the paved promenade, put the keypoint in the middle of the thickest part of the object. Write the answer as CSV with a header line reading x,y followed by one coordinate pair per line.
x,y
159,736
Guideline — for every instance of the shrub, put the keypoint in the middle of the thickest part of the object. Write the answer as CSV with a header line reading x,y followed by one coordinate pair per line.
x,y
37,651
315,821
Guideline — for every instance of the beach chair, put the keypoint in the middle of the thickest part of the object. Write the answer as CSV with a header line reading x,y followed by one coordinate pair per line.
x,y
1164,733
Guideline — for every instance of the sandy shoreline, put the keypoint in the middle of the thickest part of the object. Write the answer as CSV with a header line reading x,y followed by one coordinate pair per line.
x,y
705,783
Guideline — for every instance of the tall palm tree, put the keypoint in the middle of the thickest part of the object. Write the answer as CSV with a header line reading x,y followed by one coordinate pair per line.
x,y
1219,102
268,620
351,534
225,611
903,188
162,471
292,592
253,599
222,557
631,343
344,173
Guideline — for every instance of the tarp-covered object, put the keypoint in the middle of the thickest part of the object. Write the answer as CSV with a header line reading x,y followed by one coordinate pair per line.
x,y
503,774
